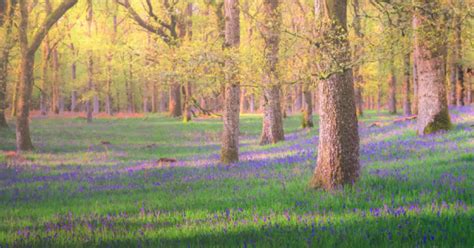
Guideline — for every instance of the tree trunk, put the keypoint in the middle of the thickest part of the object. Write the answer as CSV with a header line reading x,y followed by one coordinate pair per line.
x,y
298,99
44,80
4,61
154,100
252,103
230,135
406,85
307,121
452,80
415,85
164,101
338,150
55,85
358,79
23,139
392,88
433,114
272,130
460,89
90,62
175,100
379,98
187,90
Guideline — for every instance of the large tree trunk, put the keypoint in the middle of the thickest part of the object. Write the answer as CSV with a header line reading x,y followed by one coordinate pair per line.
x,y
230,135
23,139
433,114
4,60
272,130
307,121
406,85
338,150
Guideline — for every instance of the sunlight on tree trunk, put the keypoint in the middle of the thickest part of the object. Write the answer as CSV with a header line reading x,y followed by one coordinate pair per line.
x,y
338,150
433,114
272,130
231,132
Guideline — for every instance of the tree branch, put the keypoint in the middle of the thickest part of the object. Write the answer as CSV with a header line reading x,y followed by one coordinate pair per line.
x,y
48,23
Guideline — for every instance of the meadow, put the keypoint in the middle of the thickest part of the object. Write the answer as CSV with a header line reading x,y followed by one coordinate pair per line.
x,y
100,185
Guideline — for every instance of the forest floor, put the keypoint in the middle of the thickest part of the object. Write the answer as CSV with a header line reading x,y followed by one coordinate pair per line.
x,y
100,184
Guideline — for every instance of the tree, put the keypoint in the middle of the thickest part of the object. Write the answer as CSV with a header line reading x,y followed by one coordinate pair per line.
x,y
230,137
167,31
90,60
27,61
338,150
430,51
6,23
307,121
358,50
272,130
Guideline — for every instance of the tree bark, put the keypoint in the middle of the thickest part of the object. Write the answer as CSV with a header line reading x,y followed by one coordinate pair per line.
x,y
338,150
230,135
27,58
44,77
6,24
90,61
175,100
415,84
55,85
358,78
433,114
298,99
272,130
406,85
460,88
307,121
392,90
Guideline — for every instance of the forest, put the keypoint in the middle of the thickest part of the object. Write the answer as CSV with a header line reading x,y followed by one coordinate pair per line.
x,y
236,123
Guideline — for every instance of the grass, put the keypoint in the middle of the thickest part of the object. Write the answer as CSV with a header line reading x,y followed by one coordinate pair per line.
x,y
75,192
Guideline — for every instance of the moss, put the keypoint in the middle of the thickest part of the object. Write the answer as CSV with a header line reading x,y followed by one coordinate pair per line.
x,y
441,121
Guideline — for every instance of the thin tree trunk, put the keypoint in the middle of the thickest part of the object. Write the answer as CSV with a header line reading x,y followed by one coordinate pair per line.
x,y
252,103
415,85
55,89
272,130
379,98
90,62
187,90
44,79
154,100
175,100
392,90
307,121
358,79
452,80
406,85
338,150
460,88
298,99
230,135
433,114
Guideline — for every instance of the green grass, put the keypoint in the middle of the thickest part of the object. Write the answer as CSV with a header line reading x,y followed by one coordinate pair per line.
x,y
413,191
